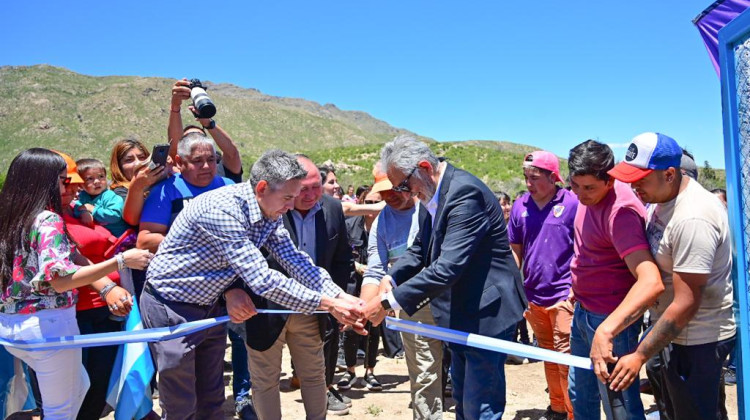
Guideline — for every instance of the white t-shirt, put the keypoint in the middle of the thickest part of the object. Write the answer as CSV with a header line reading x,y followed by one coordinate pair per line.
x,y
690,234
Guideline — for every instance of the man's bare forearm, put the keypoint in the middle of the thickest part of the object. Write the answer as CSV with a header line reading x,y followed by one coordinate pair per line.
x,y
664,331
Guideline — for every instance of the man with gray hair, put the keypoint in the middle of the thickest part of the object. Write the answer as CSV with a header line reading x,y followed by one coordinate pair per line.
x,y
196,159
461,265
213,242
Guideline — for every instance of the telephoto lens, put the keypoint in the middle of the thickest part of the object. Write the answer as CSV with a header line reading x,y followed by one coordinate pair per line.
x,y
202,103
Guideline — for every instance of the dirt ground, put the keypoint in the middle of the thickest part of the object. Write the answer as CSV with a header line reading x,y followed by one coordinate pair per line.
x,y
526,397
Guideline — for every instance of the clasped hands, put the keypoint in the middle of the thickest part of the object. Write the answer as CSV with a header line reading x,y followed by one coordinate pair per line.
x,y
350,311
625,369
355,312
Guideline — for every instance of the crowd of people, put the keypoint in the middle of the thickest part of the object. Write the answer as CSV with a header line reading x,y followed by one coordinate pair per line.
x,y
629,265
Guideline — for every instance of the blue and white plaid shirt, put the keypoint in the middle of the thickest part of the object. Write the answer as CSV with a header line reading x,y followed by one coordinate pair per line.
x,y
217,238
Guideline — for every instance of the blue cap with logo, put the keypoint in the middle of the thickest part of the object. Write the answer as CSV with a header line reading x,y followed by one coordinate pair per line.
x,y
647,152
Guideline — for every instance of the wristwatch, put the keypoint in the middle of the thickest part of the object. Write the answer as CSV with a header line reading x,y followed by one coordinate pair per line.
x,y
385,303
210,125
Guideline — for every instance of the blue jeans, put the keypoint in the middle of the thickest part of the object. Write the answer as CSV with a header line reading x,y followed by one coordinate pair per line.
x,y
240,373
585,389
478,378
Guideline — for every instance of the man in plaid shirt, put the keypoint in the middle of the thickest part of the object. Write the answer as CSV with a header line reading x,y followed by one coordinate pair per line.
x,y
214,242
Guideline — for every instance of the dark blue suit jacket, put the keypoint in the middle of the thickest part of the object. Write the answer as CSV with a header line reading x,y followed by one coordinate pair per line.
x,y
333,253
463,265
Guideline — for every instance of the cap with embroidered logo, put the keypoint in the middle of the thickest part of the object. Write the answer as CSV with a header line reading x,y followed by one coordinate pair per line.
x,y
647,152
544,160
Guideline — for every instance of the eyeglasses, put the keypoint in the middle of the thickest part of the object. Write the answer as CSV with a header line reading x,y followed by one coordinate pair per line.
x,y
372,201
65,180
404,185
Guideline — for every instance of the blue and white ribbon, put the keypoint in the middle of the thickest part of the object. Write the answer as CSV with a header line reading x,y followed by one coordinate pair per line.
x,y
487,343
124,337
177,331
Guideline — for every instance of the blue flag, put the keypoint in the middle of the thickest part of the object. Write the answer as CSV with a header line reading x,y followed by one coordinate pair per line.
x,y
129,390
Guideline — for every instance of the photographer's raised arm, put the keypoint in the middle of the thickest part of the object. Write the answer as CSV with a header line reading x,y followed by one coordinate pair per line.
x,y
230,154
180,92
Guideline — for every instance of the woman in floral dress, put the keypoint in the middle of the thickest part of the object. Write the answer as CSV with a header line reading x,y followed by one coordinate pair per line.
x,y
40,269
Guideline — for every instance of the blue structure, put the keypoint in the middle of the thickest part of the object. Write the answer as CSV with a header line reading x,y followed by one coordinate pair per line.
x,y
734,60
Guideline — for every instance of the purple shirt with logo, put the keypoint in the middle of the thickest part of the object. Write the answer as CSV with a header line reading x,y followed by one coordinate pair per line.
x,y
546,236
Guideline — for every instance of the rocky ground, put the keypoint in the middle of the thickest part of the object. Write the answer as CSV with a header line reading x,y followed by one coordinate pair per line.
x,y
526,395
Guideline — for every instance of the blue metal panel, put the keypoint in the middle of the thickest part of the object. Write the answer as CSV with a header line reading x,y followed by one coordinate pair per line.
x,y
736,117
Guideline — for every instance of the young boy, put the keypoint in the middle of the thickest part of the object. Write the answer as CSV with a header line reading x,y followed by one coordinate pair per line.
x,y
97,202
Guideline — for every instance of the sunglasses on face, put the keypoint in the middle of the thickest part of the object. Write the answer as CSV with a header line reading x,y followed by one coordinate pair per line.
x,y
404,185
372,201
65,180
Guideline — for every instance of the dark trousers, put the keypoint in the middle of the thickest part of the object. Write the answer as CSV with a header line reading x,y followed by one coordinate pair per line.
x,y
98,361
191,368
241,383
330,347
371,341
392,344
478,377
686,380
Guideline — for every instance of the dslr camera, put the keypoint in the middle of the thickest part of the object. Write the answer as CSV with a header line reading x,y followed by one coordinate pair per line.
x,y
203,104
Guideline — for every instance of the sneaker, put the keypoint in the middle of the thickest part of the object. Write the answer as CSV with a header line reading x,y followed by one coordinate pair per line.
x,y
342,398
730,377
244,408
347,381
336,407
294,382
553,415
372,382
653,416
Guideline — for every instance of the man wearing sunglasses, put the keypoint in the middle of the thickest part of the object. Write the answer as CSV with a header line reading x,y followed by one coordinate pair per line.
x,y
461,265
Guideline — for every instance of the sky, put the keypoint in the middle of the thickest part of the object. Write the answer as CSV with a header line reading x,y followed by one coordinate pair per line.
x,y
546,73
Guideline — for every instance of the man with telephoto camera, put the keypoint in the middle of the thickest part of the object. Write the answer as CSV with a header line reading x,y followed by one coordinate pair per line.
x,y
203,109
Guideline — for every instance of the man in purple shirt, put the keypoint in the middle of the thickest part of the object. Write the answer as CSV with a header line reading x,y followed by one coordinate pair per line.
x,y
540,231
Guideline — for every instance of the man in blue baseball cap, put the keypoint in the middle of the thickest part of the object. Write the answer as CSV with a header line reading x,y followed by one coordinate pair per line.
x,y
693,324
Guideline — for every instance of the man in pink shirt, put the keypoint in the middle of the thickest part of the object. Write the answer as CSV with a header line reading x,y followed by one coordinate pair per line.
x,y
615,280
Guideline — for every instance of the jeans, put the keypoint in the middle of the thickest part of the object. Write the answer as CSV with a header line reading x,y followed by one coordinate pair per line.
x,y
479,380
240,373
585,389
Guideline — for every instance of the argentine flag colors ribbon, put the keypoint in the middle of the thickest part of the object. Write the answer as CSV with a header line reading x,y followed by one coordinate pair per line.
x,y
487,343
168,333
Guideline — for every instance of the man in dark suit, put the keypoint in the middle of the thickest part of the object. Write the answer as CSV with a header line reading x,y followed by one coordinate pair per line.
x,y
461,264
317,227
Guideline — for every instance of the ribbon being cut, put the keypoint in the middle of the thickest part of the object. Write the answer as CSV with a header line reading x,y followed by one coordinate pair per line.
x,y
168,333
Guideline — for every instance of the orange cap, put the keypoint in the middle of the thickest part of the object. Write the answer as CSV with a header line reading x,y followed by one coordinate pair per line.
x,y
382,183
72,168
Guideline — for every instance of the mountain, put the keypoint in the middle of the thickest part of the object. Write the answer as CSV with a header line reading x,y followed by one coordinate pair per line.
x,y
52,107
83,115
